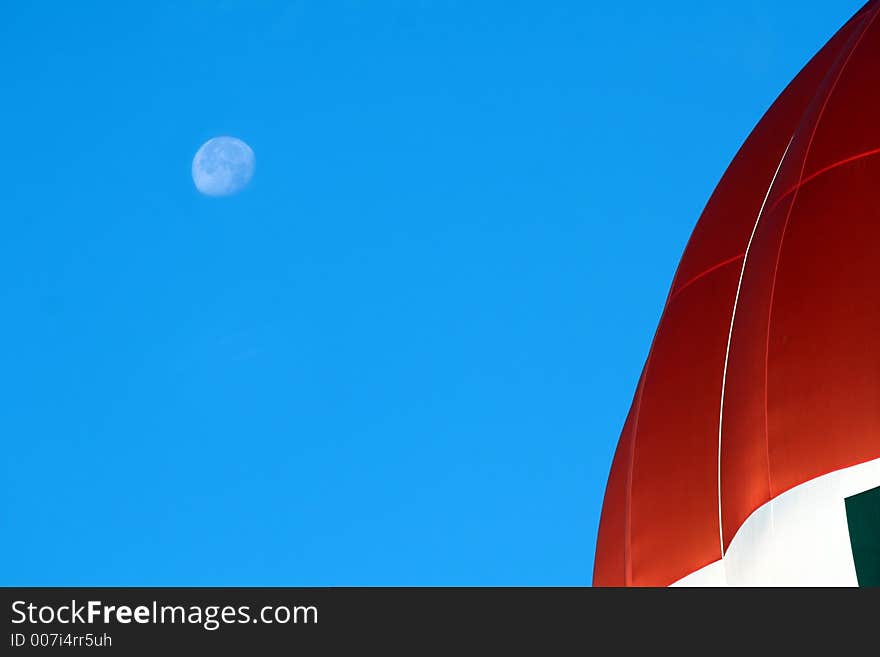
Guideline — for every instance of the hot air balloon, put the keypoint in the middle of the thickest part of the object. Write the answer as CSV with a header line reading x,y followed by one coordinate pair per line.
x,y
751,452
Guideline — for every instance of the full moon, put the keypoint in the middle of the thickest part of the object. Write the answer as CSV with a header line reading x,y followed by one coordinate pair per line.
x,y
223,166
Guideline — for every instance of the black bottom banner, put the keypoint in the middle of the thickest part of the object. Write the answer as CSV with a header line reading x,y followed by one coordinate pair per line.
x,y
269,621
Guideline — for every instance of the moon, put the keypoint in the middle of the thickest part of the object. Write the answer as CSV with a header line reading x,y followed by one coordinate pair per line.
x,y
223,166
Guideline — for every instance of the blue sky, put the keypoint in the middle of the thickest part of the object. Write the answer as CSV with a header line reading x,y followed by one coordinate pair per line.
x,y
403,354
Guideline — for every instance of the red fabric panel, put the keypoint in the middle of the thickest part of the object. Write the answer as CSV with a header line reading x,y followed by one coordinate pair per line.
x,y
610,568
851,122
674,514
802,154
824,351
727,220
824,359
744,462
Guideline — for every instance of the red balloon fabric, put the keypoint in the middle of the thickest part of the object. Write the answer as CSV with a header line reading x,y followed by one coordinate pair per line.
x,y
764,372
